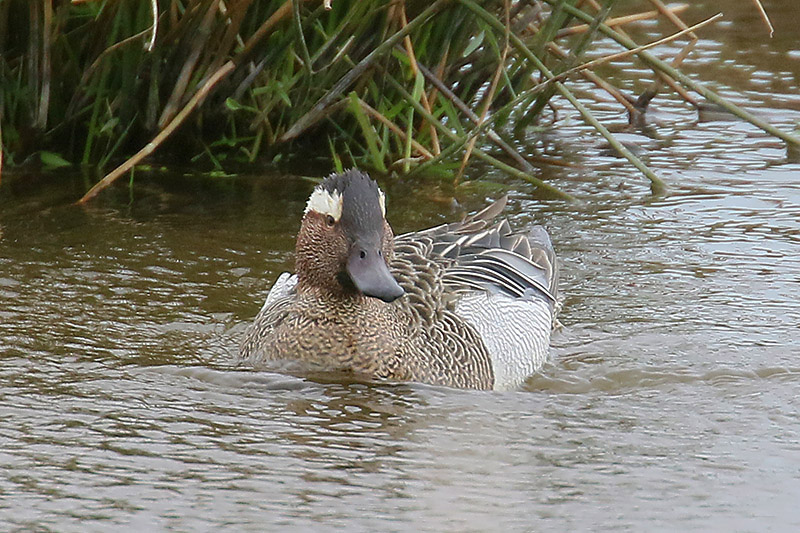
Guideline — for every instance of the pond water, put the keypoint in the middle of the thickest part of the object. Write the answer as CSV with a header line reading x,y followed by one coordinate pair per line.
x,y
670,402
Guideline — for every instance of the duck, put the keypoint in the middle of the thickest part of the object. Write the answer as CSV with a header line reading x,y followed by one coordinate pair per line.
x,y
468,304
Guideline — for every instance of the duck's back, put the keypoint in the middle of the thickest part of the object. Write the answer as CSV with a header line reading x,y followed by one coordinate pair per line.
x,y
493,287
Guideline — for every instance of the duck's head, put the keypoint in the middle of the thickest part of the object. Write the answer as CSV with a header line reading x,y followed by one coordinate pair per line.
x,y
345,244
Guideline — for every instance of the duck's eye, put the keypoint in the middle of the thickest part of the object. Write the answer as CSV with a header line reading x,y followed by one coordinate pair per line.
x,y
330,220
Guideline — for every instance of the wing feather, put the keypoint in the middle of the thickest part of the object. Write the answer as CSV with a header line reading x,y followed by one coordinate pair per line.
x,y
475,255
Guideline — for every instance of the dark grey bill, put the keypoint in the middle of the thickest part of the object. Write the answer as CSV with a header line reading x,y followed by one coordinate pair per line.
x,y
370,274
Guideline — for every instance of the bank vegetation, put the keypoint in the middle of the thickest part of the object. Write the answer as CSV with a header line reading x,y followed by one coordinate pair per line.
x,y
399,86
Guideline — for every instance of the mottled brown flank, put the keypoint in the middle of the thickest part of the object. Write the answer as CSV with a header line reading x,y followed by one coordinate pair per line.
x,y
418,337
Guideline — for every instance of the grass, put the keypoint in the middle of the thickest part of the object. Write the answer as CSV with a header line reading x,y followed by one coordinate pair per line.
x,y
395,86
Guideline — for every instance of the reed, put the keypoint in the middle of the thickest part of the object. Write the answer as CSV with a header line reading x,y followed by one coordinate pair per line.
x,y
396,86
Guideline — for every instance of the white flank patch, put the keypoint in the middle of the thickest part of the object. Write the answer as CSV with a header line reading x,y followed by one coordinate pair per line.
x,y
325,203
516,332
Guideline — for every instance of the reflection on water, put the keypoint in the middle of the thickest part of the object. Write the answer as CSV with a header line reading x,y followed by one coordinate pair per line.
x,y
670,401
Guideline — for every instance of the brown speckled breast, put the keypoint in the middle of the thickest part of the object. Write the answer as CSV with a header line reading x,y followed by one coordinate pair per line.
x,y
418,337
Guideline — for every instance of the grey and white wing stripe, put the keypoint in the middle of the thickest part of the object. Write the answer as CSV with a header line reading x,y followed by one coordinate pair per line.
x,y
477,256
283,288
272,312
521,265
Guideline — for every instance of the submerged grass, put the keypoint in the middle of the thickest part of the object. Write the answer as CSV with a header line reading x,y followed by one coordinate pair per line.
x,y
396,86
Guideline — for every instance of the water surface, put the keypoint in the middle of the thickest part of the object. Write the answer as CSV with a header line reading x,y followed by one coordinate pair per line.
x,y
670,401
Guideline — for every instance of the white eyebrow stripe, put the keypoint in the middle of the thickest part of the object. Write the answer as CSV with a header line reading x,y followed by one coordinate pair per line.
x,y
382,201
325,203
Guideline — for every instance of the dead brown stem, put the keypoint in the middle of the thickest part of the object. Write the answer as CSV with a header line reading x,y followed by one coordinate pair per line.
x,y
764,17
489,96
263,31
413,61
199,44
1,148
44,94
235,12
619,21
470,114
162,136
650,93
394,127
615,93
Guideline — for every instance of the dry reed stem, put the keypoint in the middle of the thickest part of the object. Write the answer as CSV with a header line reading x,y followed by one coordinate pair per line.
x,y
615,93
265,30
232,26
395,128
470,114
621,55
413,61
683,93
660,78
605,59
195,101
560,77
44,94
764,17
154,27
595,5
489,96
162,136
199,43
685,51
545,187
701,89
672,17
650,92
440,68
205,66
1,148
313,115
619,21
656,185
642,48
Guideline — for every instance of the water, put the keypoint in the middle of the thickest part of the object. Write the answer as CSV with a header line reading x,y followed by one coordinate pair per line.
x,y
670,402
